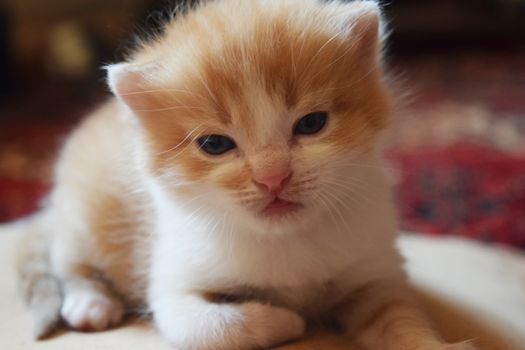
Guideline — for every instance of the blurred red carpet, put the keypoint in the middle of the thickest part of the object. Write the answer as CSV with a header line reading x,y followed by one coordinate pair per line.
x,y
458,148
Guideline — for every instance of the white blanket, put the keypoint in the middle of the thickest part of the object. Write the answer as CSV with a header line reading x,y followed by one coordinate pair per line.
x,y
472,291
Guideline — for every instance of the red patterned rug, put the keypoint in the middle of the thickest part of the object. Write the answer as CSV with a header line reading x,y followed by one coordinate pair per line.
x,y
458,148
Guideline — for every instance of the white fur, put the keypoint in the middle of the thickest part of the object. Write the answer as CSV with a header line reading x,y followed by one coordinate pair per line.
x,y
91,310
200,248
282,271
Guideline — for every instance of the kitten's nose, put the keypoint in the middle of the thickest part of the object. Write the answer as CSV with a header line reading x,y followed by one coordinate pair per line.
x,y
273,182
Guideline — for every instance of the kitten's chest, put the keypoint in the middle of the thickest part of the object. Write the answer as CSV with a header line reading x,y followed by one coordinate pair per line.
x,y
302,275
292,263
295,271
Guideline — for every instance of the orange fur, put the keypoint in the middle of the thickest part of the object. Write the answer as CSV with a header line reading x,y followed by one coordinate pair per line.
x,y
302,69
140,213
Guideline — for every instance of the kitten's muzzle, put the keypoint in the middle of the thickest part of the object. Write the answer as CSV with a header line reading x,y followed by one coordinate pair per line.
x,y
274,183
280,207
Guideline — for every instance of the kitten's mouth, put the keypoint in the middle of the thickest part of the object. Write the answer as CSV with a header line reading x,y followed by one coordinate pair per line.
x,y
280,207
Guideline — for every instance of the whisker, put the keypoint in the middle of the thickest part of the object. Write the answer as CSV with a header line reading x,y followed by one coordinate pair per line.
x,y
180,143
210,93
303,182
347,86
323,201
332,38
351,189
153,91
347,50
302,190
172,158
172,108
190,219
338,210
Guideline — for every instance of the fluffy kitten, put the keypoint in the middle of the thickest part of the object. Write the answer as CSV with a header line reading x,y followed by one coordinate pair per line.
x,y
233,187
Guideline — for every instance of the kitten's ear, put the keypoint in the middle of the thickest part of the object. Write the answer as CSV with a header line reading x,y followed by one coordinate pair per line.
x,y
365,28
131,83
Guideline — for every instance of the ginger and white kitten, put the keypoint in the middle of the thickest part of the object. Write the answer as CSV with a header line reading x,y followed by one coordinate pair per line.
x,y
233,187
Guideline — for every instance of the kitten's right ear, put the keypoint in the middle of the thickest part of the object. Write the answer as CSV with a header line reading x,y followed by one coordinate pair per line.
x,y
131,83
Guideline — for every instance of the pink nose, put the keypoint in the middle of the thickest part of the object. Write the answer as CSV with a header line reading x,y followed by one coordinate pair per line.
x,y
275,182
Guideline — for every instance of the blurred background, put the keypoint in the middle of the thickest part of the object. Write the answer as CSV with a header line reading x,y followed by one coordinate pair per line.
x,y
457,153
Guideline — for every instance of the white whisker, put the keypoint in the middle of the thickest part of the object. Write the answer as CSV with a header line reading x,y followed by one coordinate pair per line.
x,y
184,140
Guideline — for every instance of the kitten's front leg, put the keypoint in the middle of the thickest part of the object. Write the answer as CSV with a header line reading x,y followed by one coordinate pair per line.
x,y
189,321
384,316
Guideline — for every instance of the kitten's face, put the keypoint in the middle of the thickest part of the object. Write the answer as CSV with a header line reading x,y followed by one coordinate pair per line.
x,y
270,124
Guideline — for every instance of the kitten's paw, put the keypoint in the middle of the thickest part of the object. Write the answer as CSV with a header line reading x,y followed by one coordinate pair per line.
x,y
191,323
269,325
91,311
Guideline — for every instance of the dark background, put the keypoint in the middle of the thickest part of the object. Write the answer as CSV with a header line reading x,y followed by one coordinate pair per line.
x,y
457,152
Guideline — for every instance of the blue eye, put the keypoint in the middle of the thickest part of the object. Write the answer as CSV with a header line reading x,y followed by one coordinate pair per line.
x,y
216,144
311,123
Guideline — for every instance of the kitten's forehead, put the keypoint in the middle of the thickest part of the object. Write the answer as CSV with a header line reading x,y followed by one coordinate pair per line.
x,y
262,39
248,59
256,115
254,63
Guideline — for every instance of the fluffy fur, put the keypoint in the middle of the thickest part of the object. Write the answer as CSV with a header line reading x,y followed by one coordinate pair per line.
x,y
142,218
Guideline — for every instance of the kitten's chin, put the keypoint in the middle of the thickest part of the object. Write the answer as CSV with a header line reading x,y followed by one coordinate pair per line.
x,y
279,218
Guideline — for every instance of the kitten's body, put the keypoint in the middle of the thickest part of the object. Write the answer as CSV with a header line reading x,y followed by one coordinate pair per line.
x,y
104,211
294,270
142,216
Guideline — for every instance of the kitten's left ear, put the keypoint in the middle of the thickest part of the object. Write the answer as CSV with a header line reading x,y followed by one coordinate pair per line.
x,y
132,84
364,28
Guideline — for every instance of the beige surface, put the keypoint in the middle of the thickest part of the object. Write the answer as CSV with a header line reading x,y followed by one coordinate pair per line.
x,y
492,312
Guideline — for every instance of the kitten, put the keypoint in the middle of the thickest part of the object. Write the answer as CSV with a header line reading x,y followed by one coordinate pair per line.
x,y
233,187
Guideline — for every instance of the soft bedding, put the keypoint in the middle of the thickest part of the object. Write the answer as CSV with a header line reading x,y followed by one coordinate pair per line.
x,y
472,291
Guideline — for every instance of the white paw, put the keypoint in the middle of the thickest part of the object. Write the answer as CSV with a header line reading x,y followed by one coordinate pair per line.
x,y
91,311
270,325
191,323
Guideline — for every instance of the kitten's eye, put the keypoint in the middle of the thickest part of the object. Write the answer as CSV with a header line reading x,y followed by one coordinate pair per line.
x,y
311,123
216,144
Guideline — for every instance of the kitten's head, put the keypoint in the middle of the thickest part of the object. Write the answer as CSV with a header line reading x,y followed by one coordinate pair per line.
x,y
263,112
